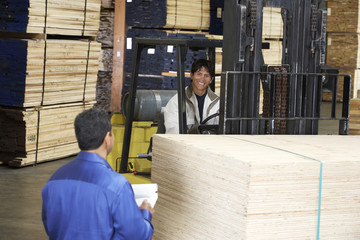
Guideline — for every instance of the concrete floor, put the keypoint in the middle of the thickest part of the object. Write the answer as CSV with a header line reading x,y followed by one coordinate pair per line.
x,y
20,188
20,200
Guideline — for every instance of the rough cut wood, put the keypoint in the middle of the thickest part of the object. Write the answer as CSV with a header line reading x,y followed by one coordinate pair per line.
x,y
256,187
354,123
66,17
47,132
68,73
106,29
343,16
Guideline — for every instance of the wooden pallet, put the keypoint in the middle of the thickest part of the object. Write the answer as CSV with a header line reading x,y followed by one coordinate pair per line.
x,y
44,72
253,187
31,135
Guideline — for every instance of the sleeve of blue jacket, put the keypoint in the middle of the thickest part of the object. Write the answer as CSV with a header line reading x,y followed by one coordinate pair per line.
x,y
129,222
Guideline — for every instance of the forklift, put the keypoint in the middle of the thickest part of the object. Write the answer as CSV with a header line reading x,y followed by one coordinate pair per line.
x,y
292,91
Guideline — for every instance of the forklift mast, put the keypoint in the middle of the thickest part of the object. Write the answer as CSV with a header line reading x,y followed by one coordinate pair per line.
x,y
292,91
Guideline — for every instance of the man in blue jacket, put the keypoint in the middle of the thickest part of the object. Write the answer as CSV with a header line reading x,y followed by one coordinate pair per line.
x,y
86,199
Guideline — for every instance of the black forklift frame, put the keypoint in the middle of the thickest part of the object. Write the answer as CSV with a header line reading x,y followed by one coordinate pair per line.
x,y
258,126
181,48
303,55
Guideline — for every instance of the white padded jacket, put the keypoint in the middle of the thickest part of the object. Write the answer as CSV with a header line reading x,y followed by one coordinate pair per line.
x,y
171,116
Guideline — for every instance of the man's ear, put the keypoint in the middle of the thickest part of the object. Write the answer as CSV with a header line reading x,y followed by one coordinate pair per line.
x,y
107,138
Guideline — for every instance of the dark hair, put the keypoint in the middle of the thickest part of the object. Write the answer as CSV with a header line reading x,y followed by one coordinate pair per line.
x,y
91,127
198,64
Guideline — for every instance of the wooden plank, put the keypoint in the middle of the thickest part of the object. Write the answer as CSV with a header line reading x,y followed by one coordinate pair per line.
x,y
118,55
253,187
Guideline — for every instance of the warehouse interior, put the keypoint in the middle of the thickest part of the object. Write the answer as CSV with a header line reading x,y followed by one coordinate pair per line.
x,y
277,166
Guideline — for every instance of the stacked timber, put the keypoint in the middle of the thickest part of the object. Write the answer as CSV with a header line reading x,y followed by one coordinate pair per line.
x,y
44,72
173,14
216,12
354,122
343,16
106,32
348,62
66,17
38,134
48,74
343,37
272,23
253,187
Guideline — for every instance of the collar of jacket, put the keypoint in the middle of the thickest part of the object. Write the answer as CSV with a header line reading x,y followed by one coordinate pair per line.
x,y
92,157
189,92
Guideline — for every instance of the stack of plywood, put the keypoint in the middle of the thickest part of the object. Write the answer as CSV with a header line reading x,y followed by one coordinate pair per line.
x,y
176,14
256,187
272,23
272,35
38,134
39,72
354,122
343,41
66,17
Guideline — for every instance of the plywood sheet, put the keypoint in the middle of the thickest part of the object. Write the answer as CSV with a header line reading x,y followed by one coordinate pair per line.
x,y
256,187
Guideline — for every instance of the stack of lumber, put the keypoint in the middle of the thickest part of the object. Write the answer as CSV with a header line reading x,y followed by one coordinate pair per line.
x,y
177,14
39,72
354,122
33,135
216,11
256,187
348,62
343,37
272,55
272,33
272,23
67,17
107,3
343,16
106,29
103,90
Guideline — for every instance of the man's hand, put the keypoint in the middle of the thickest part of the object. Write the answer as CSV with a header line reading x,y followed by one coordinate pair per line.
x,y
146,205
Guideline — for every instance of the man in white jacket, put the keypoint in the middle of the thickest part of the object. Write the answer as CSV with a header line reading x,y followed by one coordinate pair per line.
x,y
201,101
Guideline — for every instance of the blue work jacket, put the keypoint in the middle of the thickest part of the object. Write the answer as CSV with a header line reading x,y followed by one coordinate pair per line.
x,y
86,199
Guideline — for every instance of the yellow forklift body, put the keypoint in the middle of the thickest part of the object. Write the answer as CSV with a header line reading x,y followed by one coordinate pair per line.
x,y
140,140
